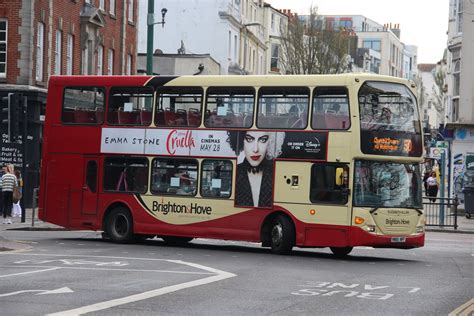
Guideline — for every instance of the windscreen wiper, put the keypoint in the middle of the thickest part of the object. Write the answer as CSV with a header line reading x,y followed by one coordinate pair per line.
x,y
374,209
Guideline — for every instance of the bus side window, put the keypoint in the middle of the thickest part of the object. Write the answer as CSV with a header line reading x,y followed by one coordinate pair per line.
x,y
126,174
83,105
216,178
229,107
330,108
329,183
130,106
174,176
283,107
178,106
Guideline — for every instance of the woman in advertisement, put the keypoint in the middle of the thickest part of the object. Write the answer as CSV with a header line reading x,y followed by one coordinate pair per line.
x,y
255,169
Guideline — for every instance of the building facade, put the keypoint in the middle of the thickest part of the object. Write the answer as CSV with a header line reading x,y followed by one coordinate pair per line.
x,y
460,87
237,34
41,38
380,49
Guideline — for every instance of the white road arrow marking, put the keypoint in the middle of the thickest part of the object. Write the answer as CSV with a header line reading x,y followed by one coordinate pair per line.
x,y
61,290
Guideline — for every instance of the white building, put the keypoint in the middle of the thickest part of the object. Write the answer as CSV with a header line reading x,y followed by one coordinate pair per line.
x,y
241,35
196,27
460,82
432,110
381,50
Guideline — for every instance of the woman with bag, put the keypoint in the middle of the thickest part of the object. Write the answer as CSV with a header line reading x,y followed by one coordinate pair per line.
x,y
17,195
8,183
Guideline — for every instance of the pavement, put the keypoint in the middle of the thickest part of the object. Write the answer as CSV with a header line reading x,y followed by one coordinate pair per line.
x,y
465,226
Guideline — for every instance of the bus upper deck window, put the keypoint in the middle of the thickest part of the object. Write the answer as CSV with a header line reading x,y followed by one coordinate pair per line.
x,y
229,107
130,106
83,105
283,107
178,106
331,108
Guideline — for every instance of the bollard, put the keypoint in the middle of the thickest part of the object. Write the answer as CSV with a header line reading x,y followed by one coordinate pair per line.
x,y
35,196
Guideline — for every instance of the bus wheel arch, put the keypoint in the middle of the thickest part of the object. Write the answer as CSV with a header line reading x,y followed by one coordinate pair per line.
x,y
278,232
341,252
118,223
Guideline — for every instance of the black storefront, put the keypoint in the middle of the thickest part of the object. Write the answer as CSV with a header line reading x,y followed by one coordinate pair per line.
x,y
32,103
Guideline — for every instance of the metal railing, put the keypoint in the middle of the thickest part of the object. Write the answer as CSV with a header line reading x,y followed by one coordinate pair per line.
x,y
441,211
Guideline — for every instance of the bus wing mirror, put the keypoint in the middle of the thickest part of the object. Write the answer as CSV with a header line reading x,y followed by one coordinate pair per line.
x,y
339,172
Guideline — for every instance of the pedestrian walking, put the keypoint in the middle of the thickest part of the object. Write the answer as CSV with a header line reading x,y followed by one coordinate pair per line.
x,y
8,183
2,172
432,184
425,177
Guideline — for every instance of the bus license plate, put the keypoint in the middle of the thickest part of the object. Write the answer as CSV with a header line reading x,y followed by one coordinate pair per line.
x,y
398,239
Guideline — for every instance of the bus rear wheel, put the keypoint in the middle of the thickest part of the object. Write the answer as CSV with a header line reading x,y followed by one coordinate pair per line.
x,y
341,252
120,225
176,240
282,235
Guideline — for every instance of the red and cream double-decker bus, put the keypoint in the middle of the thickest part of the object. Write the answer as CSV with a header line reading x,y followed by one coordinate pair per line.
x,y
305,161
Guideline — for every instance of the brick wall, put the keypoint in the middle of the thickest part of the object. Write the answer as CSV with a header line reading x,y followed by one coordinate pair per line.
x,y
64,15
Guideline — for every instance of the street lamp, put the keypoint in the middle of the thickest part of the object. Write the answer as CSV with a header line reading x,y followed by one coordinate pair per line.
x,y
150,23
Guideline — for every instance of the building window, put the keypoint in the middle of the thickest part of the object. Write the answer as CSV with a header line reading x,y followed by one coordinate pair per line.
x,y
459,16
273,22
69,53
3,47
235,47
130,10
372,44
129,64
112,7
275,56
110,62
86,58
229,50
102,5
100,60
58,53
39,52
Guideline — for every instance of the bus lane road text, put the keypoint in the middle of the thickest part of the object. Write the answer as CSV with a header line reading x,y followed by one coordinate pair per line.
x,y
355,290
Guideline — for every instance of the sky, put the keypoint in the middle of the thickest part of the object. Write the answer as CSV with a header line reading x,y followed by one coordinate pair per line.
x,y
423,23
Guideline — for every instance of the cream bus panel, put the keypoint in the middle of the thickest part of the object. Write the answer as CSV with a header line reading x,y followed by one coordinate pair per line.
x,y
296,198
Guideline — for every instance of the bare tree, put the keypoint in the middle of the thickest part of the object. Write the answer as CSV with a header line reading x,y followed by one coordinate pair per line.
x,y
310,48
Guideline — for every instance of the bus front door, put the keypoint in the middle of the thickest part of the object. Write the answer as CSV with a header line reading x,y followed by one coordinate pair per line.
x,y
89,186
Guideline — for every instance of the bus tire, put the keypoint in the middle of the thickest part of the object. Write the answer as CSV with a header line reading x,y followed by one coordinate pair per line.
x,y
176,240
282,235
341,252
120,226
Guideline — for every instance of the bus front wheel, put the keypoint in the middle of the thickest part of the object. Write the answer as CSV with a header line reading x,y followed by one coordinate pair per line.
x,y
341,251
282,235
120,225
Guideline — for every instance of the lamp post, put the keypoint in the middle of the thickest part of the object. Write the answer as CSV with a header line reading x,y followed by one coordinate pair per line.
x,y
150,23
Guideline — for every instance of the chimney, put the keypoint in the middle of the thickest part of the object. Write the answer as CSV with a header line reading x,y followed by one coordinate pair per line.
x,y
396,29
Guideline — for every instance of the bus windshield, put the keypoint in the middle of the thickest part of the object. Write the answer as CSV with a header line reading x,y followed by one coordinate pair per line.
x,y
387,184
388,107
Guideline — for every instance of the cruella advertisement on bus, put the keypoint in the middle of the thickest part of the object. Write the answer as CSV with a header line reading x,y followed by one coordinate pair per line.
x,y
255,151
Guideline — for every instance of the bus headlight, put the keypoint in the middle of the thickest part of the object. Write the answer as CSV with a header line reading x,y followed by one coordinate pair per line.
x,y
370,228
419,229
